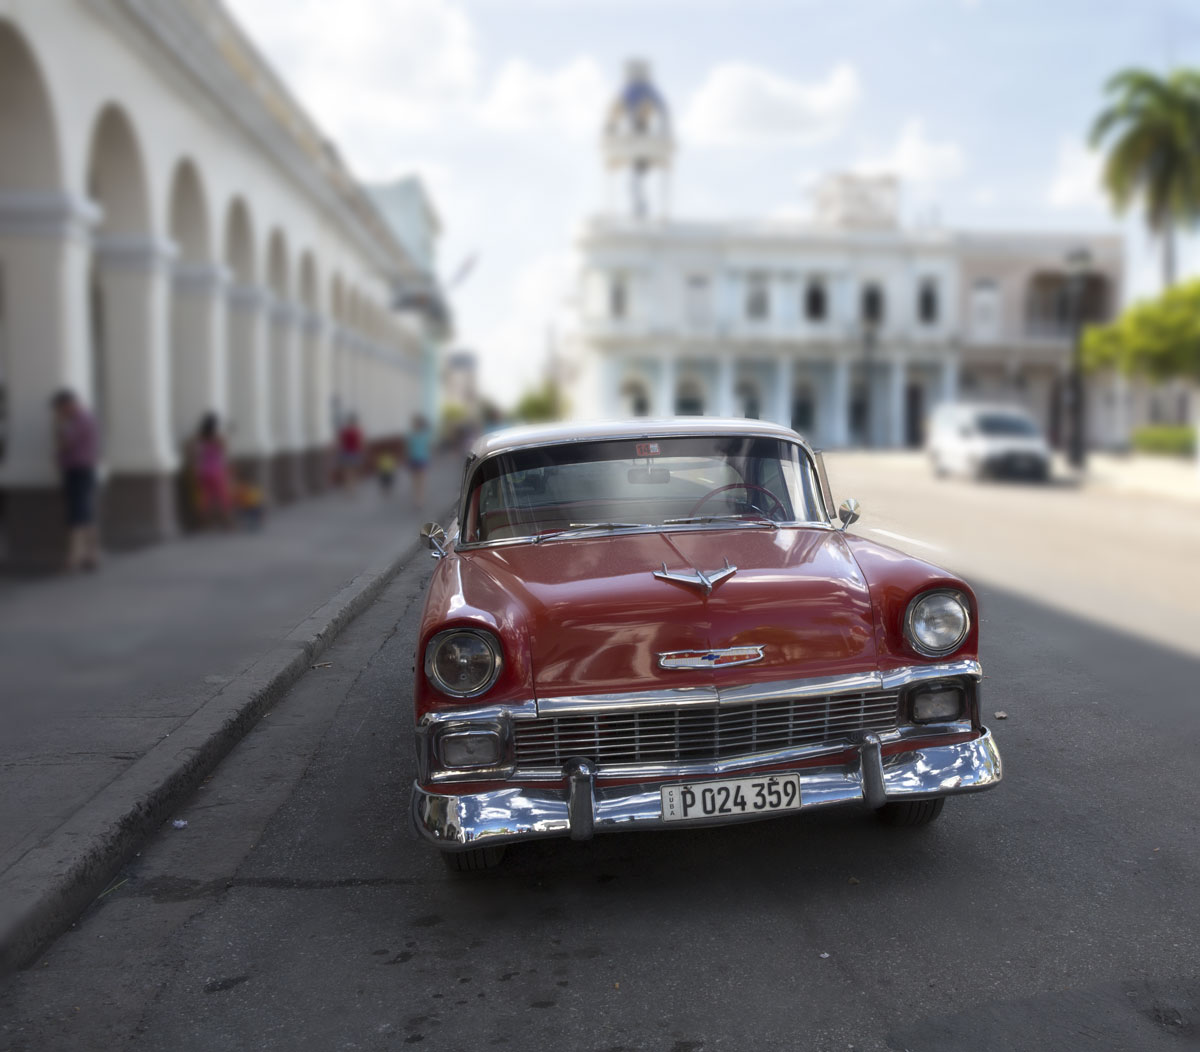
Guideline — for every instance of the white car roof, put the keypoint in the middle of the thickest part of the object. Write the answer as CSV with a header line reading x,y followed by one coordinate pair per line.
x,y
639,427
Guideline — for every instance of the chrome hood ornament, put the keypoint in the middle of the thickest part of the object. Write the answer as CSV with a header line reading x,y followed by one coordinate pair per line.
x,y
699,579
710,658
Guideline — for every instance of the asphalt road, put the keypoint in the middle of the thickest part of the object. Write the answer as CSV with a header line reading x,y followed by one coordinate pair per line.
x,y
296,910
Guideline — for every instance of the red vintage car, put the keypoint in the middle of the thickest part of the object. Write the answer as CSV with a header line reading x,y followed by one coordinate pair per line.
x,y
652,624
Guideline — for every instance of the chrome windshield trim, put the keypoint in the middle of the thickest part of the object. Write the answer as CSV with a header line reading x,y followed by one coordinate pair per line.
x,y
587,705
788,689
899,677
531,538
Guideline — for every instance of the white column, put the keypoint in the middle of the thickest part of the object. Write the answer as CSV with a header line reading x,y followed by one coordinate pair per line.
x,y
726,405
134,273
287,405
897,376
782,400
839,402
318,381
666,386
249,399
44,254
199,379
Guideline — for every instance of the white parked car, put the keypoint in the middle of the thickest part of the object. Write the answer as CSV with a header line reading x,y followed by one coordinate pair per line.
x,y
987,441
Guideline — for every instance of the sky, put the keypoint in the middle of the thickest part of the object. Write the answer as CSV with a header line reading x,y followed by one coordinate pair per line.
x,y
980,106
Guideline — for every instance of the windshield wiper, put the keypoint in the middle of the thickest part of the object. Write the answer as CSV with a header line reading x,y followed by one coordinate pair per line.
x,y
739,519
581,527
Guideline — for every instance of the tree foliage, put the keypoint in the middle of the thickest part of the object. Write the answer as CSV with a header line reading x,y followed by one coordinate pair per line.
x,y
1158,338
540,404
1152,127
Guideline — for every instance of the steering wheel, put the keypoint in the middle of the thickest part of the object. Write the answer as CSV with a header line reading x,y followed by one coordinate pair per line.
x,y
740,485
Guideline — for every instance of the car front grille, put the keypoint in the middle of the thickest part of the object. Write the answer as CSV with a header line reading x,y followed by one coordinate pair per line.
x,y
699,734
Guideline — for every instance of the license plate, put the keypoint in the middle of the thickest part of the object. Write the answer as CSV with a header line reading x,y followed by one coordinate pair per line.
x,y
731,796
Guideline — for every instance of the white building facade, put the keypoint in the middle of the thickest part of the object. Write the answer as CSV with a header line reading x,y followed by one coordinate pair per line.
x,y
177,237
849,328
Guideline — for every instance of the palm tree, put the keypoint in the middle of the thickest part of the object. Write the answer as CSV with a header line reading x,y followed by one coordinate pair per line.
x,y
1154,154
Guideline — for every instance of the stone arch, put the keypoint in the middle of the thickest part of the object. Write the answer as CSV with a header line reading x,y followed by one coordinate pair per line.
x,y
130,337
278,268
314,374
246,345
29,150
309,285
40,289
117,174
239,251
198,381
284,385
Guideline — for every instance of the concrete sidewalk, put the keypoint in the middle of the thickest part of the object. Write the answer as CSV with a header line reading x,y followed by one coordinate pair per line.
x,y
1175,478
119,690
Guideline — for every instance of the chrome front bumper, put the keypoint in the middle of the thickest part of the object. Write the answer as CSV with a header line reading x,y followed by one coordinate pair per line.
x,y
503,816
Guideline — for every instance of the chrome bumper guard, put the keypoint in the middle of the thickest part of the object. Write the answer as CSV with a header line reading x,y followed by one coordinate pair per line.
x,y
503,816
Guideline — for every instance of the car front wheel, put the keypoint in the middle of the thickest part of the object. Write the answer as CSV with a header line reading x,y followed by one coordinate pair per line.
x,y
474,860
911,812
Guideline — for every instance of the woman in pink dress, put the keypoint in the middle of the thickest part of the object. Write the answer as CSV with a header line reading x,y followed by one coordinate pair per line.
x,y
210,465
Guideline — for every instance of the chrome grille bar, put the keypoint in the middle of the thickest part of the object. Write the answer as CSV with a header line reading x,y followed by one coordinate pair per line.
x,y
701,733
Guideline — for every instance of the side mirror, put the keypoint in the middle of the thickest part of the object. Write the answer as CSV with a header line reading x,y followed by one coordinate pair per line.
x,y
848,512
434,537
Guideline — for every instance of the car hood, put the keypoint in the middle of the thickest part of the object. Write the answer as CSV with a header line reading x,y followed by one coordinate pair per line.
x,y
597,618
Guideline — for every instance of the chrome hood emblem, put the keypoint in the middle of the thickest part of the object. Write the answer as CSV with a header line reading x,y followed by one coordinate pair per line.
x,y
710,658
700,579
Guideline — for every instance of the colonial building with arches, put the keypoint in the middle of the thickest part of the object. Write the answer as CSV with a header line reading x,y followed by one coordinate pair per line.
x,y
178,237
849,327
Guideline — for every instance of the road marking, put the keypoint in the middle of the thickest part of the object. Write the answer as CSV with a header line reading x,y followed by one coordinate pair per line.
x,y
908,540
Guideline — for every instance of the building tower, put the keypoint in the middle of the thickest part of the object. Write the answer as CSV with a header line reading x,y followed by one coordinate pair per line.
x,y
637,139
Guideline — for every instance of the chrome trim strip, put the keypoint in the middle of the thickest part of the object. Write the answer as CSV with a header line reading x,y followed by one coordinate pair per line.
x,y
788,689
513,814
592,704
901,677
518,710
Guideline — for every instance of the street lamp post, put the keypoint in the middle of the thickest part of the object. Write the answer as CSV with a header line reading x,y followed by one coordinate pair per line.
x,y
1079,262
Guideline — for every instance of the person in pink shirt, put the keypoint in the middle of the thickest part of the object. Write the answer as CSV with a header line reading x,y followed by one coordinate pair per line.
x,y
77,446
210,467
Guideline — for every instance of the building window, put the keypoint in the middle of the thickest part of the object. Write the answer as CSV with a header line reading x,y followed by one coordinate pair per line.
x,y
816,301
699,300
927,303
872,305
758,297
803,409
618,296
689,399
749,400
635,398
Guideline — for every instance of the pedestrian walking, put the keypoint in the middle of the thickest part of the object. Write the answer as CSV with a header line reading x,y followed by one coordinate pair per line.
x,y
350,450
210,468
420,446
77,446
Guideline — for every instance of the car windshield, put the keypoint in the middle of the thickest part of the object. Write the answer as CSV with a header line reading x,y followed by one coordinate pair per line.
x,y
613,485
1004,424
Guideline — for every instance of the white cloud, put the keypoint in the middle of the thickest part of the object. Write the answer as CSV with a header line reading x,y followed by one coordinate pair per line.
x,y
569,99
358,64
743,105
1076,180
917,159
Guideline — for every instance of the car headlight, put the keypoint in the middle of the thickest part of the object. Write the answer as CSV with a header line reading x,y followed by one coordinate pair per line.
x,y
937,622
463,662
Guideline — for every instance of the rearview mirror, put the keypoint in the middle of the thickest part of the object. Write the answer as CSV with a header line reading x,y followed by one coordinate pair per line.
x,y
434,537
848,512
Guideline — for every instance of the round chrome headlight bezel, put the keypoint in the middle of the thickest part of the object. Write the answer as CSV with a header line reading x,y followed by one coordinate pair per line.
x,y
911,615
433,647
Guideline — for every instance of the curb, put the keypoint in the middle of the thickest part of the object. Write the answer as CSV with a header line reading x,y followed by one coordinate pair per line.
x,y
44,893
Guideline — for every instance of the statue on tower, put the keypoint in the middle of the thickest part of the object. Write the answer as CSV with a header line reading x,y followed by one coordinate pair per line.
x,y
637,136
